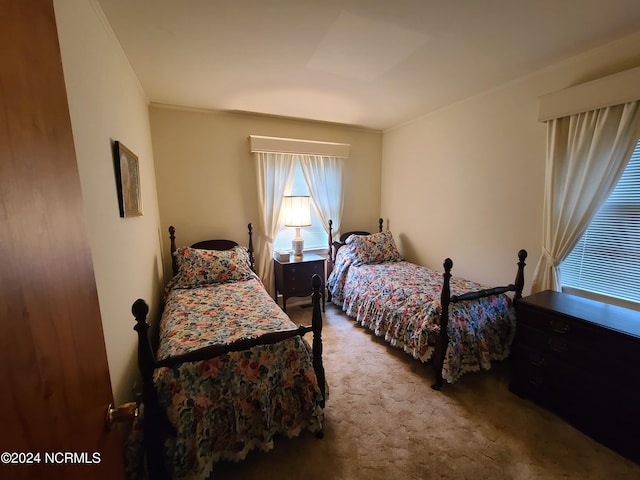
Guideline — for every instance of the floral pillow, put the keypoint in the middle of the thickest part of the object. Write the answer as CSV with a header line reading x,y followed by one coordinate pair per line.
x,y
197,267
375,248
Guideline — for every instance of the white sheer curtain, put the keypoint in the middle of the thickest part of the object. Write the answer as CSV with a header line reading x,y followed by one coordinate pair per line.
x,y
323,176
274,175
586,155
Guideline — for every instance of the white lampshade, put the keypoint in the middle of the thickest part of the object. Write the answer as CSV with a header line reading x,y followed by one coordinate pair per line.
x,y
297,211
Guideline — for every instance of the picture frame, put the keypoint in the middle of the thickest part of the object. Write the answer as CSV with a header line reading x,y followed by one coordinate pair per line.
x,y
127,181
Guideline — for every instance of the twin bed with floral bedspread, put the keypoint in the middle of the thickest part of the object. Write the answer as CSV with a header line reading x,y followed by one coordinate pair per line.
x,y
457,324
231,370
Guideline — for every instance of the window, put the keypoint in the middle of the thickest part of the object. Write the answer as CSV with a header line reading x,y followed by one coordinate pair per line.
x,y
606,260
315,237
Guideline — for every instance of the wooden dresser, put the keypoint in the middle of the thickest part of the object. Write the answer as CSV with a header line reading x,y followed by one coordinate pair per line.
x,y
581,359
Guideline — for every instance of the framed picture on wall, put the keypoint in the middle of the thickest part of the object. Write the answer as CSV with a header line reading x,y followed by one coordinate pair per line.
x,y
127,181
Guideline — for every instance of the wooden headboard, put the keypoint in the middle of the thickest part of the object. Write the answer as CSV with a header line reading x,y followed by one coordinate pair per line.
x,y
211,245
334,245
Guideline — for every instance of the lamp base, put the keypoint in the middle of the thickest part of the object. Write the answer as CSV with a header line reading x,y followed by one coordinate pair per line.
x,y
297,244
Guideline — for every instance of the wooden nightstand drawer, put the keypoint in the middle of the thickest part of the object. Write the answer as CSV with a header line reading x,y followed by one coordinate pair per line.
x,y
294,274
293,277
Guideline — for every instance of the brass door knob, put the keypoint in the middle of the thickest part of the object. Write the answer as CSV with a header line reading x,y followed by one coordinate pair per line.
x,y
125,412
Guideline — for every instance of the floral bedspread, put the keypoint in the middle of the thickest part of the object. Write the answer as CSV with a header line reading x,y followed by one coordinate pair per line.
x,y
224,407
400,301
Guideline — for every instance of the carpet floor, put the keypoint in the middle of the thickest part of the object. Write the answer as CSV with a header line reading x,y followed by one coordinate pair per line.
x,y
383,421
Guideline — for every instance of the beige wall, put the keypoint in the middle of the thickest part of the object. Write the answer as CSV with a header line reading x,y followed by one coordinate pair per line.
x,y
464,182
467,181
106,103
207,179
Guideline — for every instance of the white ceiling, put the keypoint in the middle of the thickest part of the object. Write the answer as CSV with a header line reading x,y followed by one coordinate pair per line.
x,y
372,63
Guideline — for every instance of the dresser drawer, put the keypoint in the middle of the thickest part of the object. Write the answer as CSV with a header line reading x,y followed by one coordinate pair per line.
x,y
558,325
558,345
562,387
542,371
604,410
569,337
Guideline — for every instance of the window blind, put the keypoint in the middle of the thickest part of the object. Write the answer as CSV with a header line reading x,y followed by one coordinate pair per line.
x,y
606,260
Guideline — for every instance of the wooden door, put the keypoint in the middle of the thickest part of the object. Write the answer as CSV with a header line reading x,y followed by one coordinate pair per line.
x,y
54,378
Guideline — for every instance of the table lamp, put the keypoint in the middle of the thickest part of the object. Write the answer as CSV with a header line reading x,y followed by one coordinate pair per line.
x,y
297,213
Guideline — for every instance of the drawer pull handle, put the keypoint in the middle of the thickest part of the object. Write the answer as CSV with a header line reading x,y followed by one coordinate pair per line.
x,y
537,360
559,326
536,382
535,379
557,345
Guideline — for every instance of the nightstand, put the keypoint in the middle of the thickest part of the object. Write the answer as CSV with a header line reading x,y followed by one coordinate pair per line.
x,y
293,277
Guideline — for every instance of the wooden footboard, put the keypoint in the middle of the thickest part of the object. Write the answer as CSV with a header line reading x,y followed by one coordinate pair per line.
x,y
157,427
155,424
442,341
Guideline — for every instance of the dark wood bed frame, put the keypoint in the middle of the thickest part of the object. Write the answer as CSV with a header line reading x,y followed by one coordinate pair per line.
x,y
334,245
156,425
446,299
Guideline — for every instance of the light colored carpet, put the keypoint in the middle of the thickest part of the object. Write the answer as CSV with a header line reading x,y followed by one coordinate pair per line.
x,y
383,421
